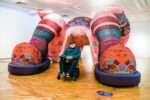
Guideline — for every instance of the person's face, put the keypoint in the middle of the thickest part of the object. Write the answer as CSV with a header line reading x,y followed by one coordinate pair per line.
x,y
72,45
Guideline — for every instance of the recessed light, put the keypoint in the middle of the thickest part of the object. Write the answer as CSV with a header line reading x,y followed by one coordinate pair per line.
x,y
65,15
21,2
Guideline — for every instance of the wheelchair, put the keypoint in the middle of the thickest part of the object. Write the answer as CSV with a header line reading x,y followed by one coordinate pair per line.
x,y
74,74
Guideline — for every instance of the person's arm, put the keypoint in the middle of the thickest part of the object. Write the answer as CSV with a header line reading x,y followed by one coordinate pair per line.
x,y
76,54
65,53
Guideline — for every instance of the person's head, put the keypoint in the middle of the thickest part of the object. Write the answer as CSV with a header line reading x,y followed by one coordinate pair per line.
x,y
72,44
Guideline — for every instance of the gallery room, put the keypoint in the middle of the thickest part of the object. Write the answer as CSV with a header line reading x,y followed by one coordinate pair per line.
x,y
74,49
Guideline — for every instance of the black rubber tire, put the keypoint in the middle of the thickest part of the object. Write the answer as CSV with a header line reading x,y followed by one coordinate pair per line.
x,y
58,77
78,72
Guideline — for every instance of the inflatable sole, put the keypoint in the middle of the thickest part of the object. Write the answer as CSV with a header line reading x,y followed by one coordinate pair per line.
x,y
28,69
120,80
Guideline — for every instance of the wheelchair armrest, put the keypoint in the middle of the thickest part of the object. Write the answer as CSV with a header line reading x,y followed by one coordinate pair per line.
x,y
61,57
77,58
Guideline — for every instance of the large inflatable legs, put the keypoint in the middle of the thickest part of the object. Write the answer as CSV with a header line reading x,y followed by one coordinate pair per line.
x,y
31,58
117,65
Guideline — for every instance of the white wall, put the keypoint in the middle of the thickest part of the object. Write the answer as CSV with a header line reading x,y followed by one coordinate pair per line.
x,y
139,41
16,25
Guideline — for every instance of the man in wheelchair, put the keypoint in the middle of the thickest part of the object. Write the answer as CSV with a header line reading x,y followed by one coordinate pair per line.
x,y
69,60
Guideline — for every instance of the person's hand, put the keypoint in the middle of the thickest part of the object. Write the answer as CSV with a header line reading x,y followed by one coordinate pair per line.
x,y
69,57
60,55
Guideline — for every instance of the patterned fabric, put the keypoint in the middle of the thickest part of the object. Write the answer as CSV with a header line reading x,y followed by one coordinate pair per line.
x,y
118,59
123,22
26,54
55,47
104,20
105,27
122,80
44,33
79,21
50,26
108,38
81,39
111,27
108,33
78,30
38,43
45,29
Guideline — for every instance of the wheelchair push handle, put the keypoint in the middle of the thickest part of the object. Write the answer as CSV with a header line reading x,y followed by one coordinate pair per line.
x,y
62,57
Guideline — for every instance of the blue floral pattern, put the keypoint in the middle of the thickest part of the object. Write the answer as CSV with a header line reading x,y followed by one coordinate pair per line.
x,y
79,21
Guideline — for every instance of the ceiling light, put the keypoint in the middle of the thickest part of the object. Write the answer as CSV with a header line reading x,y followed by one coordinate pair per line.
x,y
21,2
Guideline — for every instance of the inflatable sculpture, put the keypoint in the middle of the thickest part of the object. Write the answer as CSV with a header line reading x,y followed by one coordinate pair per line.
x,y
117,65
31,58
106,33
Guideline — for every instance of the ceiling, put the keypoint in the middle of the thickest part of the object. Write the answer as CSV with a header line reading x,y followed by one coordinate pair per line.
x,y
136,10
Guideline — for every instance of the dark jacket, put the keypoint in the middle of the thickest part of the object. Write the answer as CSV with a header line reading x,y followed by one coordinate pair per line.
x,y
74,52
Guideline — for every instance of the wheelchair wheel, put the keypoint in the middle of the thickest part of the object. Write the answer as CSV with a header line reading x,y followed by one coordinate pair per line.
x,y
77,72
58,77
76,75
74,78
